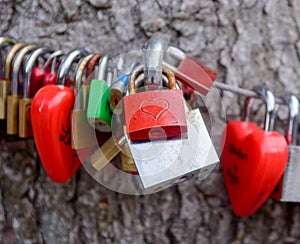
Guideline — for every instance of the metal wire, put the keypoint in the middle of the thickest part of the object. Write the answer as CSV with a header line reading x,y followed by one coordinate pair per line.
x,y
243,91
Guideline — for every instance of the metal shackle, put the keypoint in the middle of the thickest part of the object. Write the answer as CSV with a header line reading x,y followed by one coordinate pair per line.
x,y
29,66
67,62
154,52
139,70
91,65
293,120
17,64
103,68
52,60
9,59
269,100
82,65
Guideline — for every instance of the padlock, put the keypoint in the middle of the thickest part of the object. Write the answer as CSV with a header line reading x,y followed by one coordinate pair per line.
x,y
253,159
5,43
50,78
191,72
291,180
13,99
118,88
161,164
5,85
98,110
82,132
50,113
127,162
158,112
25,128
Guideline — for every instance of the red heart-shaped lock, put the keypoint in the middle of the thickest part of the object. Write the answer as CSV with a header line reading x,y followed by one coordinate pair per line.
x,y
253,161
50,116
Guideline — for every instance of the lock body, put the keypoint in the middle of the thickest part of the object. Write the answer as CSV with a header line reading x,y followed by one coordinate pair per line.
x,y
165,163
5,87
12,114
155,114
128,164
25,128
98,110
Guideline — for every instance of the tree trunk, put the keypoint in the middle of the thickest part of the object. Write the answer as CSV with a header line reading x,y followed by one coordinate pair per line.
x,y
248,42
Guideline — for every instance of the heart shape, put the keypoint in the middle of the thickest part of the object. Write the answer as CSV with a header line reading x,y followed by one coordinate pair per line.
x,y
155,107
253,161
50,117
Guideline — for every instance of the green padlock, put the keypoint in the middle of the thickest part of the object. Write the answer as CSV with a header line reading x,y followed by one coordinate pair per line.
x,y
98,110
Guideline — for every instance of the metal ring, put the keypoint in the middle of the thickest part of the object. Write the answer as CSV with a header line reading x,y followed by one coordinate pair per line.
x,y
66,63
16,66
29,66
9,58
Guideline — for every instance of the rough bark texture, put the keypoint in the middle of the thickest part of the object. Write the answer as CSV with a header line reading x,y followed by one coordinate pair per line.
x,y
248,42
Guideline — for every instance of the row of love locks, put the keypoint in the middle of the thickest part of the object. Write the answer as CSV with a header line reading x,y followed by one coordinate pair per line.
x,y
133,122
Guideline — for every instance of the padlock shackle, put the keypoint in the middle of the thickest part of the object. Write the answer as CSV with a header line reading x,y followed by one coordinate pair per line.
x,y
139,70
29,66
16,66
91,65
154,54
67,62
293,120
176,52
269,100
81,66
6,40
52,59
103,67
9,59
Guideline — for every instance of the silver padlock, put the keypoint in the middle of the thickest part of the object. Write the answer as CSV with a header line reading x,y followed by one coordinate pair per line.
x,y
163,163
291,179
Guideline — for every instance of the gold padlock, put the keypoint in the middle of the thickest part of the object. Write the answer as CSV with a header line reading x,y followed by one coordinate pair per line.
x,y
128,164
25,129
5,84
13,99
82,132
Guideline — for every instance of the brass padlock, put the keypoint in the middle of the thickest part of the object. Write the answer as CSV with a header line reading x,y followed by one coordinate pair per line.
x,y
25,129
5,84
82,132
128,164
5,43
13,99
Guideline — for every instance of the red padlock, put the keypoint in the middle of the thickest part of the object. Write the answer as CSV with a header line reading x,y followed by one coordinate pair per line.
x,y
191,72
50,116
253,160
154,114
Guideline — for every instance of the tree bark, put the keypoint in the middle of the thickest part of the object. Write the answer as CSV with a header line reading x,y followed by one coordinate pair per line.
x,y
248,42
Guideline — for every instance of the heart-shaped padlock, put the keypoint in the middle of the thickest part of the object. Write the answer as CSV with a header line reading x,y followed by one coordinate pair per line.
x,y
253,159
50,115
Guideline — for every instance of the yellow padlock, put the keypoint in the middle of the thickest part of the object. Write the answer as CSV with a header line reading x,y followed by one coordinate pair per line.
x,y
5,84
82,132
13,99
25,129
